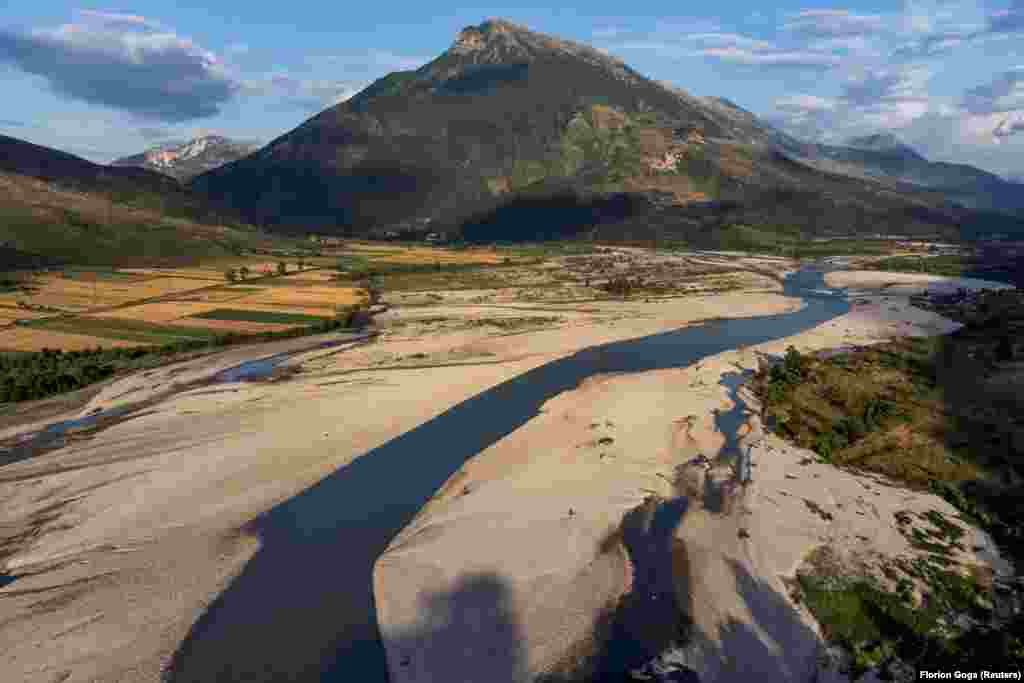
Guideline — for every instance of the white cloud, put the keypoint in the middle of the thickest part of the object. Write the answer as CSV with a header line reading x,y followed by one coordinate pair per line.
x,y
730,47
124,62
833,23
602,32
806,103
772,57
116,19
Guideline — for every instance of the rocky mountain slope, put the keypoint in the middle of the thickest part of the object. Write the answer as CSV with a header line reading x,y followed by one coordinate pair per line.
x,y
509,123
185,161
56,206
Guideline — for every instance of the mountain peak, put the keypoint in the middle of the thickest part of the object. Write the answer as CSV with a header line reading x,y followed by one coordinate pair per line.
x,y
185,160
500,41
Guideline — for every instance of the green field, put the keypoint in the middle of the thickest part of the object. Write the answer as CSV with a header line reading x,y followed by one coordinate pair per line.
x,y
75,273
127,330
933,265
259,316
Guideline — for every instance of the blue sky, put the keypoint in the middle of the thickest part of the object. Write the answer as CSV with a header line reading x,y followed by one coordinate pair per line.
x,y
102,81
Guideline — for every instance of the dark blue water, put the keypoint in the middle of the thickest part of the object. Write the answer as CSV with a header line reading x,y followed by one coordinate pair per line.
x,y
303,607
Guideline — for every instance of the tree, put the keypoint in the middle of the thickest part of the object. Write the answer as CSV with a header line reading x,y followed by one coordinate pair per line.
x,y
230,275
373,290
244,272
282,268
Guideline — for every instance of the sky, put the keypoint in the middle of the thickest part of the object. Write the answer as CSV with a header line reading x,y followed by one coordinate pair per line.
x,y
946,77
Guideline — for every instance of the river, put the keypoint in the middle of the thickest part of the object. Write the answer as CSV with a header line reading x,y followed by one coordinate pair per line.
x,y
303,607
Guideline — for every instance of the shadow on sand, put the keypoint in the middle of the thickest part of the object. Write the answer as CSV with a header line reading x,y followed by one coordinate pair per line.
x,y
303,607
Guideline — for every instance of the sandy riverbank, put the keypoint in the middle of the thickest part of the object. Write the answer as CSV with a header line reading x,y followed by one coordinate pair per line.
x,y
119,541
531,518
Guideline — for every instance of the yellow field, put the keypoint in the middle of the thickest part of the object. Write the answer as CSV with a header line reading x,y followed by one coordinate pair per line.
x,y
387,253
208,274
80,295
215,296
164,312
312,277
29,339
307,299
417,255
301,299
214,271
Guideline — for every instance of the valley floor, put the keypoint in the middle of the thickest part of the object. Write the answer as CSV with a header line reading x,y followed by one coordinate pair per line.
x,y
117,543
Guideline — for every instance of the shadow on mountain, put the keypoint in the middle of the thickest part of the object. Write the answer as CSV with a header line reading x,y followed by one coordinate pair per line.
x,y
317,195
560,215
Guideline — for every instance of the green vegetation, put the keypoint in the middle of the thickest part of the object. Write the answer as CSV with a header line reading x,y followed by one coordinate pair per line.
x,y
952,266
941,414
122,329
880,409
384,276
258,316
87,239
789,241
880,626
607,151
15,283
30,376
99,273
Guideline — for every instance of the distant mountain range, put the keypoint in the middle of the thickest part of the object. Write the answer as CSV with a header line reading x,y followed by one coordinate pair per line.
x,y
884,157
187,160
56,207
883,143
509,123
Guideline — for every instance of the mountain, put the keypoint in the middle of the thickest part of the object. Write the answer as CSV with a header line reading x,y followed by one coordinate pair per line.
x,y
882,156
510,123
50,165
184,161
55,206
883,143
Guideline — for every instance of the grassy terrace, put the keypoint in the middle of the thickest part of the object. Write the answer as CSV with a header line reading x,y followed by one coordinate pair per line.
x,y
127,330
259,316
945,414
951,266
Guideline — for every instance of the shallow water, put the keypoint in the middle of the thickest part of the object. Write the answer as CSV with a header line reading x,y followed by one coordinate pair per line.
x,y
303,608
53,435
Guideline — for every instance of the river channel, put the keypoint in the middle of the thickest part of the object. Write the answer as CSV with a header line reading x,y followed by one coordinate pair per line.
x,y
303,607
